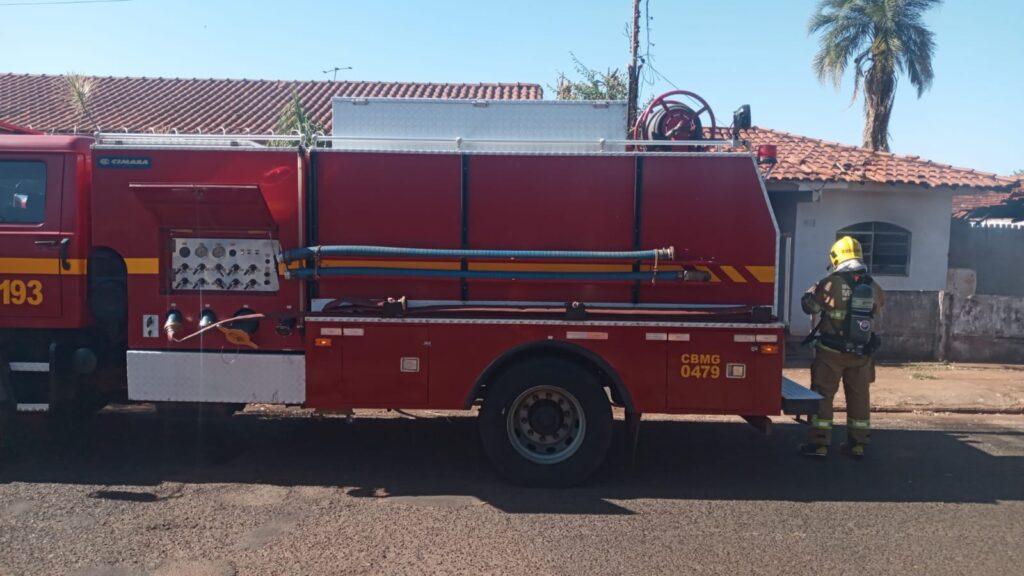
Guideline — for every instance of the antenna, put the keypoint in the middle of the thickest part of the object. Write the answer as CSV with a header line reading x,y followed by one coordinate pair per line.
x,y
335,70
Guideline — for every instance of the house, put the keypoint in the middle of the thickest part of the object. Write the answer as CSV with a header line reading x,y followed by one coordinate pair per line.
x,y
897,206
987,242
991,210
194,105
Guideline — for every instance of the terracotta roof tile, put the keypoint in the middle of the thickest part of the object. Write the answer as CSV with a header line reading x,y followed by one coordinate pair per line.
x,y
966,203
806,159
991,205
209,105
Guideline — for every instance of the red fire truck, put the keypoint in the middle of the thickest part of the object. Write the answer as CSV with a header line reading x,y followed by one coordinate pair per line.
x,y
510,261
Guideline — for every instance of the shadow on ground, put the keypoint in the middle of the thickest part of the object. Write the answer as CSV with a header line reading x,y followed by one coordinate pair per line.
x,y
441,456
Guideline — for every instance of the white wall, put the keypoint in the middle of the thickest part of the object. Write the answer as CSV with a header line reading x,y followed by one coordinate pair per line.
x,y
923,211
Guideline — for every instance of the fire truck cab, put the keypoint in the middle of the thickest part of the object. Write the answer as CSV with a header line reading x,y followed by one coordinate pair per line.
x,y
50,339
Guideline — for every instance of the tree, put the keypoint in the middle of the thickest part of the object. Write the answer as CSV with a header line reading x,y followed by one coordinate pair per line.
x,y
594,85
293,120
1018,172
79,90
884,39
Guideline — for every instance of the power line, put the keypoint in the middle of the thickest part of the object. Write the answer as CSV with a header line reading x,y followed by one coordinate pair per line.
x,y
55,2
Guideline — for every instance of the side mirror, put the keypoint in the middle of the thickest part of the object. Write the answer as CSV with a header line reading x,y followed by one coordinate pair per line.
x,y
740,120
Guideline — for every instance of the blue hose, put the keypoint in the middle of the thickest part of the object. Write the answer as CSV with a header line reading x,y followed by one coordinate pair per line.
x,y
308,273
386,251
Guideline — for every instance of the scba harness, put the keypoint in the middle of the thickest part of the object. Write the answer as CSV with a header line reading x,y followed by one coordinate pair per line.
x,y
853,327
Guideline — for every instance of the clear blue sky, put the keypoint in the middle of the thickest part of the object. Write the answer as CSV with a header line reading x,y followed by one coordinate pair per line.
x,y
730,51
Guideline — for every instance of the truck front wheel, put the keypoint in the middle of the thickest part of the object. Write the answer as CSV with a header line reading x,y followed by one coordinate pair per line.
x,y
8,406
546,422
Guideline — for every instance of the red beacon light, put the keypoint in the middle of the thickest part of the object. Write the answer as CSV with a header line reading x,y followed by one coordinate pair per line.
x,y
767,154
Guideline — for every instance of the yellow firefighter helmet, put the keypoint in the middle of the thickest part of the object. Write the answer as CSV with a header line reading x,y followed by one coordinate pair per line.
x,y
845,249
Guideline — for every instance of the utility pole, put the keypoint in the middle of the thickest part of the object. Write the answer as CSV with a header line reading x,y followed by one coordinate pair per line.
x,y
634,71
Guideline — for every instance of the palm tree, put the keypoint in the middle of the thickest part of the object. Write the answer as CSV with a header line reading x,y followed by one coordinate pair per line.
x,y
884,39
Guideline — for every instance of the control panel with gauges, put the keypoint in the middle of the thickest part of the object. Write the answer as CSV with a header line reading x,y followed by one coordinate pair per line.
x,y
224,264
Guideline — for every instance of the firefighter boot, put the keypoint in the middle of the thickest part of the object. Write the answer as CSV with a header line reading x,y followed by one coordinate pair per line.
x,y
853,450
813,450
819,437
858,435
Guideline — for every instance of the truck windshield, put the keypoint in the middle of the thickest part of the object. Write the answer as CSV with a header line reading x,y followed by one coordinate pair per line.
x,y
22,192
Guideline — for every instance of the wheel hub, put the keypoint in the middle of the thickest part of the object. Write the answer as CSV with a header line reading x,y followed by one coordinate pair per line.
x,y
546,424
545,417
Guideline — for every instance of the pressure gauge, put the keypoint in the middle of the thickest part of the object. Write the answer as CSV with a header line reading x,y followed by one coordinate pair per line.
x,y
202,251
219,251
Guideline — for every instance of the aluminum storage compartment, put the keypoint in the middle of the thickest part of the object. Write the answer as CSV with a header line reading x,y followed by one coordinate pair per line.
x,y
498,125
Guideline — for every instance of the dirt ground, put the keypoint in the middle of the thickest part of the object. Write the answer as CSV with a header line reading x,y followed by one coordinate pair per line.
x,y
938,387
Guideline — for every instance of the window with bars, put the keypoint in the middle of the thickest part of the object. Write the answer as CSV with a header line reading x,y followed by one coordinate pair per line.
x,y
886,247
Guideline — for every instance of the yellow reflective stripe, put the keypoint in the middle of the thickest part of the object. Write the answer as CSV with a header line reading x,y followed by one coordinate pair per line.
x,y
837,314
292,266
42,266
662,267
762,273
820,423
858,423
142,265
78,267
734,274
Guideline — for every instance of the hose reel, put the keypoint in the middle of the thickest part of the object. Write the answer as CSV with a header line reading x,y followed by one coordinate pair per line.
x,y
670,118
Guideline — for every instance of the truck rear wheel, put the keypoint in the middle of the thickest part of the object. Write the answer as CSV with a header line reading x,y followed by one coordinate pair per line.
x,y
546,422
7,407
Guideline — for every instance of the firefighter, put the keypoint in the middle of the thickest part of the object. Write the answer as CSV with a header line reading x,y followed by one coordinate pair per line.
x,y
848,301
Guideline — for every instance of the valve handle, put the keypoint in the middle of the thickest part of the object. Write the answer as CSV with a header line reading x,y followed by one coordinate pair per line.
x,y
237,337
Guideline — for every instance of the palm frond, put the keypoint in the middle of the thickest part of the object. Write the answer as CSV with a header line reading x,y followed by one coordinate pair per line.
x,y
293,119
883,39
78,92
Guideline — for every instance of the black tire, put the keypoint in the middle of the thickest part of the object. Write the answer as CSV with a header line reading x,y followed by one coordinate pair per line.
x,y
539,389
8,408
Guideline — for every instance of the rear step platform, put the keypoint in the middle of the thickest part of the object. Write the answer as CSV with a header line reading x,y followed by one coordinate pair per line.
x,y
31,384
29,366
797,400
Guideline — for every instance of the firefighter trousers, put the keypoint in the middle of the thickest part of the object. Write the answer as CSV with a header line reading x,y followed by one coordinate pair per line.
x,y
857,373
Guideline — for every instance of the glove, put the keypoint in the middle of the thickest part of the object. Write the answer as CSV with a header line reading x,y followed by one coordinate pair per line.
x,y
873,345
810,304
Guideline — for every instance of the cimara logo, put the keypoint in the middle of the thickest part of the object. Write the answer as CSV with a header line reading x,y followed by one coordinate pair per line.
x,y
124,162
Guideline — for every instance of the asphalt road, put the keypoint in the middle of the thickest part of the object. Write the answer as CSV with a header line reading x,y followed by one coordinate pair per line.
x,y
391,495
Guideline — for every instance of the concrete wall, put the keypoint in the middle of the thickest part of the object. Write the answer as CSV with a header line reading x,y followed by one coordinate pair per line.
x,y
995,254
985,328
925,325
910,326
922,211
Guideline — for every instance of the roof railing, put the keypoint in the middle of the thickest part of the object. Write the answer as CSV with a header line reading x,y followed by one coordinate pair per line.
x,y
457,144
